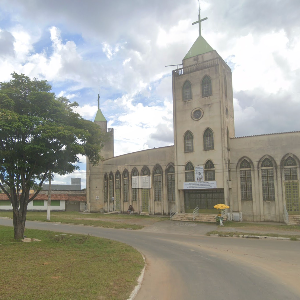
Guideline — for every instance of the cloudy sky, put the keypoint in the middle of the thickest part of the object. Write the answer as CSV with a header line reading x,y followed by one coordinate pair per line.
x,y
120,49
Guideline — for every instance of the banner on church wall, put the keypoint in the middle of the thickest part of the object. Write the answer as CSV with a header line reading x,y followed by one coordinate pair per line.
x,y
141,182
199,173
200,185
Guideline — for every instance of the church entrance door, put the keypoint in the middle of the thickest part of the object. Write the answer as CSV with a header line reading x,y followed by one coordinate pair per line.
x,y
292,197
204,199
145,200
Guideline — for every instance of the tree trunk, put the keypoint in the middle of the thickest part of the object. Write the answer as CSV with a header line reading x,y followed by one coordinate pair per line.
x,y
19,219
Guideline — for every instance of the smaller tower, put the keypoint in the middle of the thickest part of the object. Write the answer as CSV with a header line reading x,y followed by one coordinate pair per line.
x,y
94,176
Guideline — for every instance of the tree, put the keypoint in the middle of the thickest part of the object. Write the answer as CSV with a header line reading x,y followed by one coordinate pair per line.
x,y
40,134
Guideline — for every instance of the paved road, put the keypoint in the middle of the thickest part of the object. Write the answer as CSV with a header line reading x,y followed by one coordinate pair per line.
x,y
181,266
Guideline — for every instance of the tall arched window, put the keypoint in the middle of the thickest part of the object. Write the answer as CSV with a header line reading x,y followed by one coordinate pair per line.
x,y
157,182
189,172
125,185
188,142
209,171
208,140
118,191
267,176
246,181
134,191
105,187
291,185
206,87
187,91
111,186
171,183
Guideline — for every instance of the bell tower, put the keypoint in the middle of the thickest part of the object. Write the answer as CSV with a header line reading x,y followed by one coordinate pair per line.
x,y
203,125
94,174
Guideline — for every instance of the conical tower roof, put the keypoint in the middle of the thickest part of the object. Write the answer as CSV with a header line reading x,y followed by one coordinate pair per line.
x,y
200,46
99,116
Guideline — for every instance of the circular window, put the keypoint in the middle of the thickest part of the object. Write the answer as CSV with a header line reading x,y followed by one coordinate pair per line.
x,y
197,114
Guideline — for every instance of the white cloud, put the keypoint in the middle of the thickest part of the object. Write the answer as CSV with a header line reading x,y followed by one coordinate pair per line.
x,y
86,111
66,179
66,94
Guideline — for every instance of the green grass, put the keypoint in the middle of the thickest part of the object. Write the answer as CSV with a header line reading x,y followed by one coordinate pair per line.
x,y
64,266
122,221
261,226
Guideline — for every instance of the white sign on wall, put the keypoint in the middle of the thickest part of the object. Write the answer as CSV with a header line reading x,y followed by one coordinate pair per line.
x,y
199,173
200,185
141,182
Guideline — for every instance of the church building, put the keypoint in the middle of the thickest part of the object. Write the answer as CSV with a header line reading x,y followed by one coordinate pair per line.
x,y
256,176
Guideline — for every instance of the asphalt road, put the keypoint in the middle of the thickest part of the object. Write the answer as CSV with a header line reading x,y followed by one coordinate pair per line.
x,y
182,266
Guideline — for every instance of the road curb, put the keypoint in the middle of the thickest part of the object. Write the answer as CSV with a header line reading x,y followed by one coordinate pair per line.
x,y
139,282
260,237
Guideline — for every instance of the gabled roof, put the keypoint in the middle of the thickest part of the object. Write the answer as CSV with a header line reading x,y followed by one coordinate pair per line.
x,y
99,116
200,46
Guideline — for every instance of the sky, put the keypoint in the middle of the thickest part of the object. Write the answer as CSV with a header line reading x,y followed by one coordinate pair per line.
x,y
120,49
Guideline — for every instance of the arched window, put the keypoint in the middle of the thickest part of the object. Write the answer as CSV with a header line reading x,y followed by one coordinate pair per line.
x,y
187,91
157,182
267,176
209,171
290,169
125,185
145,171
291,185
208,140
105,187
171,183
118,191
189,172
111,186
188,142
206,87
246,181
134,177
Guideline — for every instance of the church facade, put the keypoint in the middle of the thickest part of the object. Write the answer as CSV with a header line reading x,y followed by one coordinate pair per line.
x,y
257,176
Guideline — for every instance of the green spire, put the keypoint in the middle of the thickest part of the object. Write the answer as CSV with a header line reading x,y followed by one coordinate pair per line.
x,y
201,45
99,116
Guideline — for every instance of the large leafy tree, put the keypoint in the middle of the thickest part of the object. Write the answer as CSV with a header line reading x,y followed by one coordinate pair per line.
x,y
40,135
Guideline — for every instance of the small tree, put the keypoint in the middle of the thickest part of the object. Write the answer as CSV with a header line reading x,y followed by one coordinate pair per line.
x,y
40,134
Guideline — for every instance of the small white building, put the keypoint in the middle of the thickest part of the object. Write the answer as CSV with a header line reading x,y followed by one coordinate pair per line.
x,y
63,198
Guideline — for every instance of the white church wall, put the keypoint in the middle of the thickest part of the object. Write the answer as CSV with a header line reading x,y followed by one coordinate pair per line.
x,y
256,148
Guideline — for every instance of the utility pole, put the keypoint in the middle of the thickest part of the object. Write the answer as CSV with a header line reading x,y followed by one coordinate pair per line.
x,y
49,199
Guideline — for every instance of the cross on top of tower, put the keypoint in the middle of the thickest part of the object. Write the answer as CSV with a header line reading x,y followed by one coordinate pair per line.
x,y
199,20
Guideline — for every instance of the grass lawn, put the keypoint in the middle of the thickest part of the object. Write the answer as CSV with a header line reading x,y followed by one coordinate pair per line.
x,y
64,266
118,221
262,226
258,229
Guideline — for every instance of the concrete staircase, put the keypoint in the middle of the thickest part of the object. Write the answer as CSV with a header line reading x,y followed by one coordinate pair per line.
x,y
185,217
294,219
